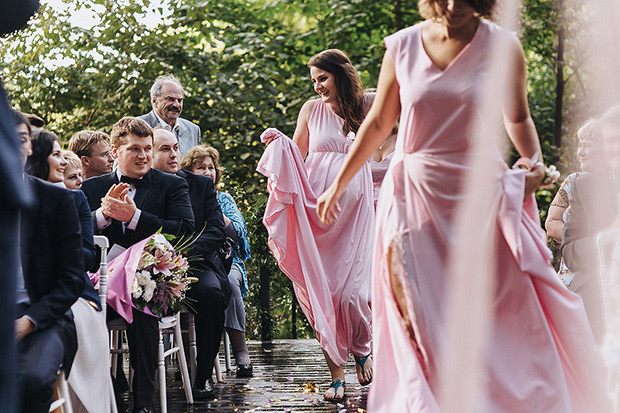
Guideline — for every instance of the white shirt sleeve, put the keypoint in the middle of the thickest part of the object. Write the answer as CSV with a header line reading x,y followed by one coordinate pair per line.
x,y
102,222
134,220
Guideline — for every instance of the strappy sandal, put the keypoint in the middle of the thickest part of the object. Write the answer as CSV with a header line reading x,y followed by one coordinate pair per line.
x,y
336,384
361,361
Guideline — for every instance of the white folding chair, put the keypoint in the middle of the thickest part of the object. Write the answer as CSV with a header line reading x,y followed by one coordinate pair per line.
x,y
64,398
193,352
172,324
102,242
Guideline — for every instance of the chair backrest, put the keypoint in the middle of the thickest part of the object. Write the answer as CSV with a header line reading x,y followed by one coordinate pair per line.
x,y
103,243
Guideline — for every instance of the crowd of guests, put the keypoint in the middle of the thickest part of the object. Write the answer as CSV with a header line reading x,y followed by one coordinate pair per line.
x,y
150,173
346,165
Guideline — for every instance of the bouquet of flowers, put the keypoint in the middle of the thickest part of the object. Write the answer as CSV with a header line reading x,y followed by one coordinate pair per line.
x,y
161,279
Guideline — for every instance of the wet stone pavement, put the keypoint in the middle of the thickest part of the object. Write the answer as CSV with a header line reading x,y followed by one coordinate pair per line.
x,y
290,376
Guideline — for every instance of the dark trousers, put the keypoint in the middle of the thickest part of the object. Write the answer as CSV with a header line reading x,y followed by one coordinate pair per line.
x,y
208,301
9,256
143,339
39,356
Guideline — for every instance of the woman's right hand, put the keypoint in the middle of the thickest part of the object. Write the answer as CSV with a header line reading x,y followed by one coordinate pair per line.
x,y
533,179
269,135
327,206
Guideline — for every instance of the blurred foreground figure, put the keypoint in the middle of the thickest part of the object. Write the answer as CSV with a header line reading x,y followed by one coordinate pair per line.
x,y
591,245
538,352
14,195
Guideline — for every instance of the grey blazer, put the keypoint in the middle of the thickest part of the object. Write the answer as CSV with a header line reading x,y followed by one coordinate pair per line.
x,y
188,133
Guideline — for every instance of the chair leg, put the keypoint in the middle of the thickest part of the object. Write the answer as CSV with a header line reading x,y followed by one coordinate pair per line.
x,y
114,356
192,346
64,393
162,375
218,369
227,351
187,384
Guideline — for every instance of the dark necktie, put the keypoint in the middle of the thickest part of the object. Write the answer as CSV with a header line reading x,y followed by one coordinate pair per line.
x,y
131,181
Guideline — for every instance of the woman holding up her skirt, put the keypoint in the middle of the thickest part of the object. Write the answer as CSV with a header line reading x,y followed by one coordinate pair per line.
x,y
328,264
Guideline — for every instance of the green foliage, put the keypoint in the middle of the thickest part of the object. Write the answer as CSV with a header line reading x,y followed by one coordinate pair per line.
x,y
243,65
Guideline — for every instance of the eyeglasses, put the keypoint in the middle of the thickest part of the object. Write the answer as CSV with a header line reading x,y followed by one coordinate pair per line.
x,y
105,154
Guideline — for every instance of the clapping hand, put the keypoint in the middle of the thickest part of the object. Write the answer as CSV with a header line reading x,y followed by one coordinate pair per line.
x,y
117,205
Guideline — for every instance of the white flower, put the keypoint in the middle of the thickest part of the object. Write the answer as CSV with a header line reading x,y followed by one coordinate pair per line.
x,y
160,242
149,289
136,290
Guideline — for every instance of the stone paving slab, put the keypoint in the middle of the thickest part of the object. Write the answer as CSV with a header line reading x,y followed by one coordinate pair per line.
x,y
291,376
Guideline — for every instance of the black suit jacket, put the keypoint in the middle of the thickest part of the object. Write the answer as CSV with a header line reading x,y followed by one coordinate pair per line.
x,y
162,198
209,220
52,261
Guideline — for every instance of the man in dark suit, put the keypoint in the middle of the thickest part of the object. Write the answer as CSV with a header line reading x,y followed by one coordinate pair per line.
x,y
130,204
167,101
50,281
594,208
212,292
14,195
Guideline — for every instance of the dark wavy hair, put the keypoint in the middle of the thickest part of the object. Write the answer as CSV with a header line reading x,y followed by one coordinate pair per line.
x,y
484,8
349,90
42,146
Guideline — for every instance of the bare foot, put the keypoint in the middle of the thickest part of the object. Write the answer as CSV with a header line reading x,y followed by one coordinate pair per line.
x,y
335,392
363,367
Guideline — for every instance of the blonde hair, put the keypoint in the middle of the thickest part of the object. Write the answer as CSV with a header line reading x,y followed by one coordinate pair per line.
x,y
197,155
82,142
72,159
484,8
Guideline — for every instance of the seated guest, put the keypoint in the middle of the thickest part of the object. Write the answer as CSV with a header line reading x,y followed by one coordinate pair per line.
x,y
204,160
93,149
130,204
594,208
167,101
212,292
89,378
51,281
73,170
589,137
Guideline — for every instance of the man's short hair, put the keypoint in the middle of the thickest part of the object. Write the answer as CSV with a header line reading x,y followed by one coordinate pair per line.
x,y
36,121
159,82
20,119
129,125
82,142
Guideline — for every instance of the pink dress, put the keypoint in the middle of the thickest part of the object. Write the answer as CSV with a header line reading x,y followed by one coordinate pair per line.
x,y
540,356
329,265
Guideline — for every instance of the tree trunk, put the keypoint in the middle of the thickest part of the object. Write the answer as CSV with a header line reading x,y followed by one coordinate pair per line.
x,y
559,89
265,307
294,314
398,15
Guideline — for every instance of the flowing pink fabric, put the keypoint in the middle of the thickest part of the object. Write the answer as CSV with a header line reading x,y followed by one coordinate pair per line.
x,y
540,354
329,265
121,273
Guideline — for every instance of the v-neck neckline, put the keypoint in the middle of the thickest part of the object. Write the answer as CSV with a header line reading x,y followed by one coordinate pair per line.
x,y
456,58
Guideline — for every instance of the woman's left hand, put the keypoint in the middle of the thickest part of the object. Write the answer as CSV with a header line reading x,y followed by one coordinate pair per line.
x,y
327,207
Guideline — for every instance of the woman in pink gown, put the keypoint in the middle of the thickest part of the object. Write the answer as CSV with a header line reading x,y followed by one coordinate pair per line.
x,y
329,265
540,355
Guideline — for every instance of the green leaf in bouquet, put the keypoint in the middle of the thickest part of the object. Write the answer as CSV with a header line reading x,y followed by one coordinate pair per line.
x,y
146,260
